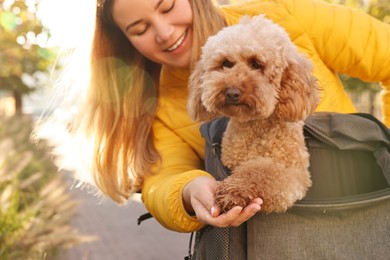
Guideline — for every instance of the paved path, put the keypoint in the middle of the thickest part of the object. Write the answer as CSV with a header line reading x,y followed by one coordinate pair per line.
x,y
120,238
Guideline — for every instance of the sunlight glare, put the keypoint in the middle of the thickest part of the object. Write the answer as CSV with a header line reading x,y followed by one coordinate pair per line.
x,y
70,21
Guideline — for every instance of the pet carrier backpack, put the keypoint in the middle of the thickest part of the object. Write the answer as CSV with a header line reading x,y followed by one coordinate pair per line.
x,y
346,212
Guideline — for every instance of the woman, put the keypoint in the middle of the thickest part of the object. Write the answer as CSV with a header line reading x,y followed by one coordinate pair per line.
x,y
135,111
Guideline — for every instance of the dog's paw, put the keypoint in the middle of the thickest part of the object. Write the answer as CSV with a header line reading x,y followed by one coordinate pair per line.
x,y
227,196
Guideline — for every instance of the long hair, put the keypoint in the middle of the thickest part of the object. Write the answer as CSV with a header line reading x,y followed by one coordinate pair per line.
x,y
122,100
207,21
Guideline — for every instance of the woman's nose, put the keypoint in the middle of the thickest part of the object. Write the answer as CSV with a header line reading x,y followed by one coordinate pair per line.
x,y
163,32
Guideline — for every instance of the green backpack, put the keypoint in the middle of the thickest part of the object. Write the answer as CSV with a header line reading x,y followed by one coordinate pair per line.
x,y
345,214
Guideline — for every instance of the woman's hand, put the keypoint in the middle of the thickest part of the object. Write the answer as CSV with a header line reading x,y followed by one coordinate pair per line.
x,y
198,198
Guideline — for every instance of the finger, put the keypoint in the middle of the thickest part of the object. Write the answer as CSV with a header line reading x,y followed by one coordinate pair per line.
x,y
206,196
258,201
234,217
215,211
248,212
226,219
201,211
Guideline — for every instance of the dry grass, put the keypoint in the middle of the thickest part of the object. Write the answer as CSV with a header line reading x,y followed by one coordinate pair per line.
x,y
35,205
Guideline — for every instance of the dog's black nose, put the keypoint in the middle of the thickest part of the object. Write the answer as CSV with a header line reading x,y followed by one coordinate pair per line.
x,y
233,95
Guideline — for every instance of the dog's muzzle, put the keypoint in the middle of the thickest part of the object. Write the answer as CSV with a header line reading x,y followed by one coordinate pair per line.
x,y
233,95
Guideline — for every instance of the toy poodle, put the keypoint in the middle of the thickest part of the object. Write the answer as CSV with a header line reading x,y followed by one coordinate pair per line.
x,y
252,73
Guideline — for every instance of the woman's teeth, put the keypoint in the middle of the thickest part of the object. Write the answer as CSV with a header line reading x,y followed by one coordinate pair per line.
x,y
178,43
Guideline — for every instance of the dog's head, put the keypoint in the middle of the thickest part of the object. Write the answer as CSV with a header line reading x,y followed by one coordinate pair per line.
x,y
252,71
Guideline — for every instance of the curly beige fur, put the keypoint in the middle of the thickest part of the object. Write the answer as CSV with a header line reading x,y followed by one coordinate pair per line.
x,y
253,74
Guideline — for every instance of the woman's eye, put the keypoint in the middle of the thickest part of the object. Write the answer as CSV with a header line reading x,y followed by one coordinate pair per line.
x,y
142,31
227,64
169,8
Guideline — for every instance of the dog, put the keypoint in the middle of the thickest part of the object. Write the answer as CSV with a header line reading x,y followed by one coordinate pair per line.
x,y
253,74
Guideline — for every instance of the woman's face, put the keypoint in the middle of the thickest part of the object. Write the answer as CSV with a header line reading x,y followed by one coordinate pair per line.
x,y
161,30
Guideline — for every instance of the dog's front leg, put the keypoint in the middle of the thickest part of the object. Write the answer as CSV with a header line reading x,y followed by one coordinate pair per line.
x,y
277,185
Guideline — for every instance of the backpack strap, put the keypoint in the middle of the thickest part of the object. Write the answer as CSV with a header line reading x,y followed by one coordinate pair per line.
x,y
212,132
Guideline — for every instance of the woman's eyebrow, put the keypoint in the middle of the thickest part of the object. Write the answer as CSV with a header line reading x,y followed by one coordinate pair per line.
x,y
158,4
140,20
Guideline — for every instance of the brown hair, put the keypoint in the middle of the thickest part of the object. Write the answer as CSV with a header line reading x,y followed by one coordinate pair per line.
x,y
122,101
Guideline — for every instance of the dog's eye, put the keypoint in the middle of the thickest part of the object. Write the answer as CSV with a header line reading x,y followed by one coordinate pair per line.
x,y
227,64
256,65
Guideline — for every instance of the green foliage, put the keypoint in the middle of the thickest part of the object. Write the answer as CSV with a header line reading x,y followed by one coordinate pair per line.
x,y
23,49
379,9
35,205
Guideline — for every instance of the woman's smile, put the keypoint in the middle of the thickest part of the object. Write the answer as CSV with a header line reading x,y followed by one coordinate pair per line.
x,y
178,43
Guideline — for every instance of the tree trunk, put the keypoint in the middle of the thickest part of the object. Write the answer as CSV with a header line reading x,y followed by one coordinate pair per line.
x,y
18,101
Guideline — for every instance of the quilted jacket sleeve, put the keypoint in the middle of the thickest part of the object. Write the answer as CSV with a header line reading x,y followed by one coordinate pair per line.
x,y
349,42
162,192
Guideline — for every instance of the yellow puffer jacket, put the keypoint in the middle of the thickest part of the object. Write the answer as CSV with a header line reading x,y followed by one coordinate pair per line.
x,y
337,40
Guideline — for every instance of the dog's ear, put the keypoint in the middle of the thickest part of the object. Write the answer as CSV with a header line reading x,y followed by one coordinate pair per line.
x,y
195,107
298,94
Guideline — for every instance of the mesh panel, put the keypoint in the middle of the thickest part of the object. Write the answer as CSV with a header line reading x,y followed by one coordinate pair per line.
x,y
212,243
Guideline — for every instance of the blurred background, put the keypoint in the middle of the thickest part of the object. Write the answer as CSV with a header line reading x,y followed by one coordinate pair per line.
x,y
45,213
